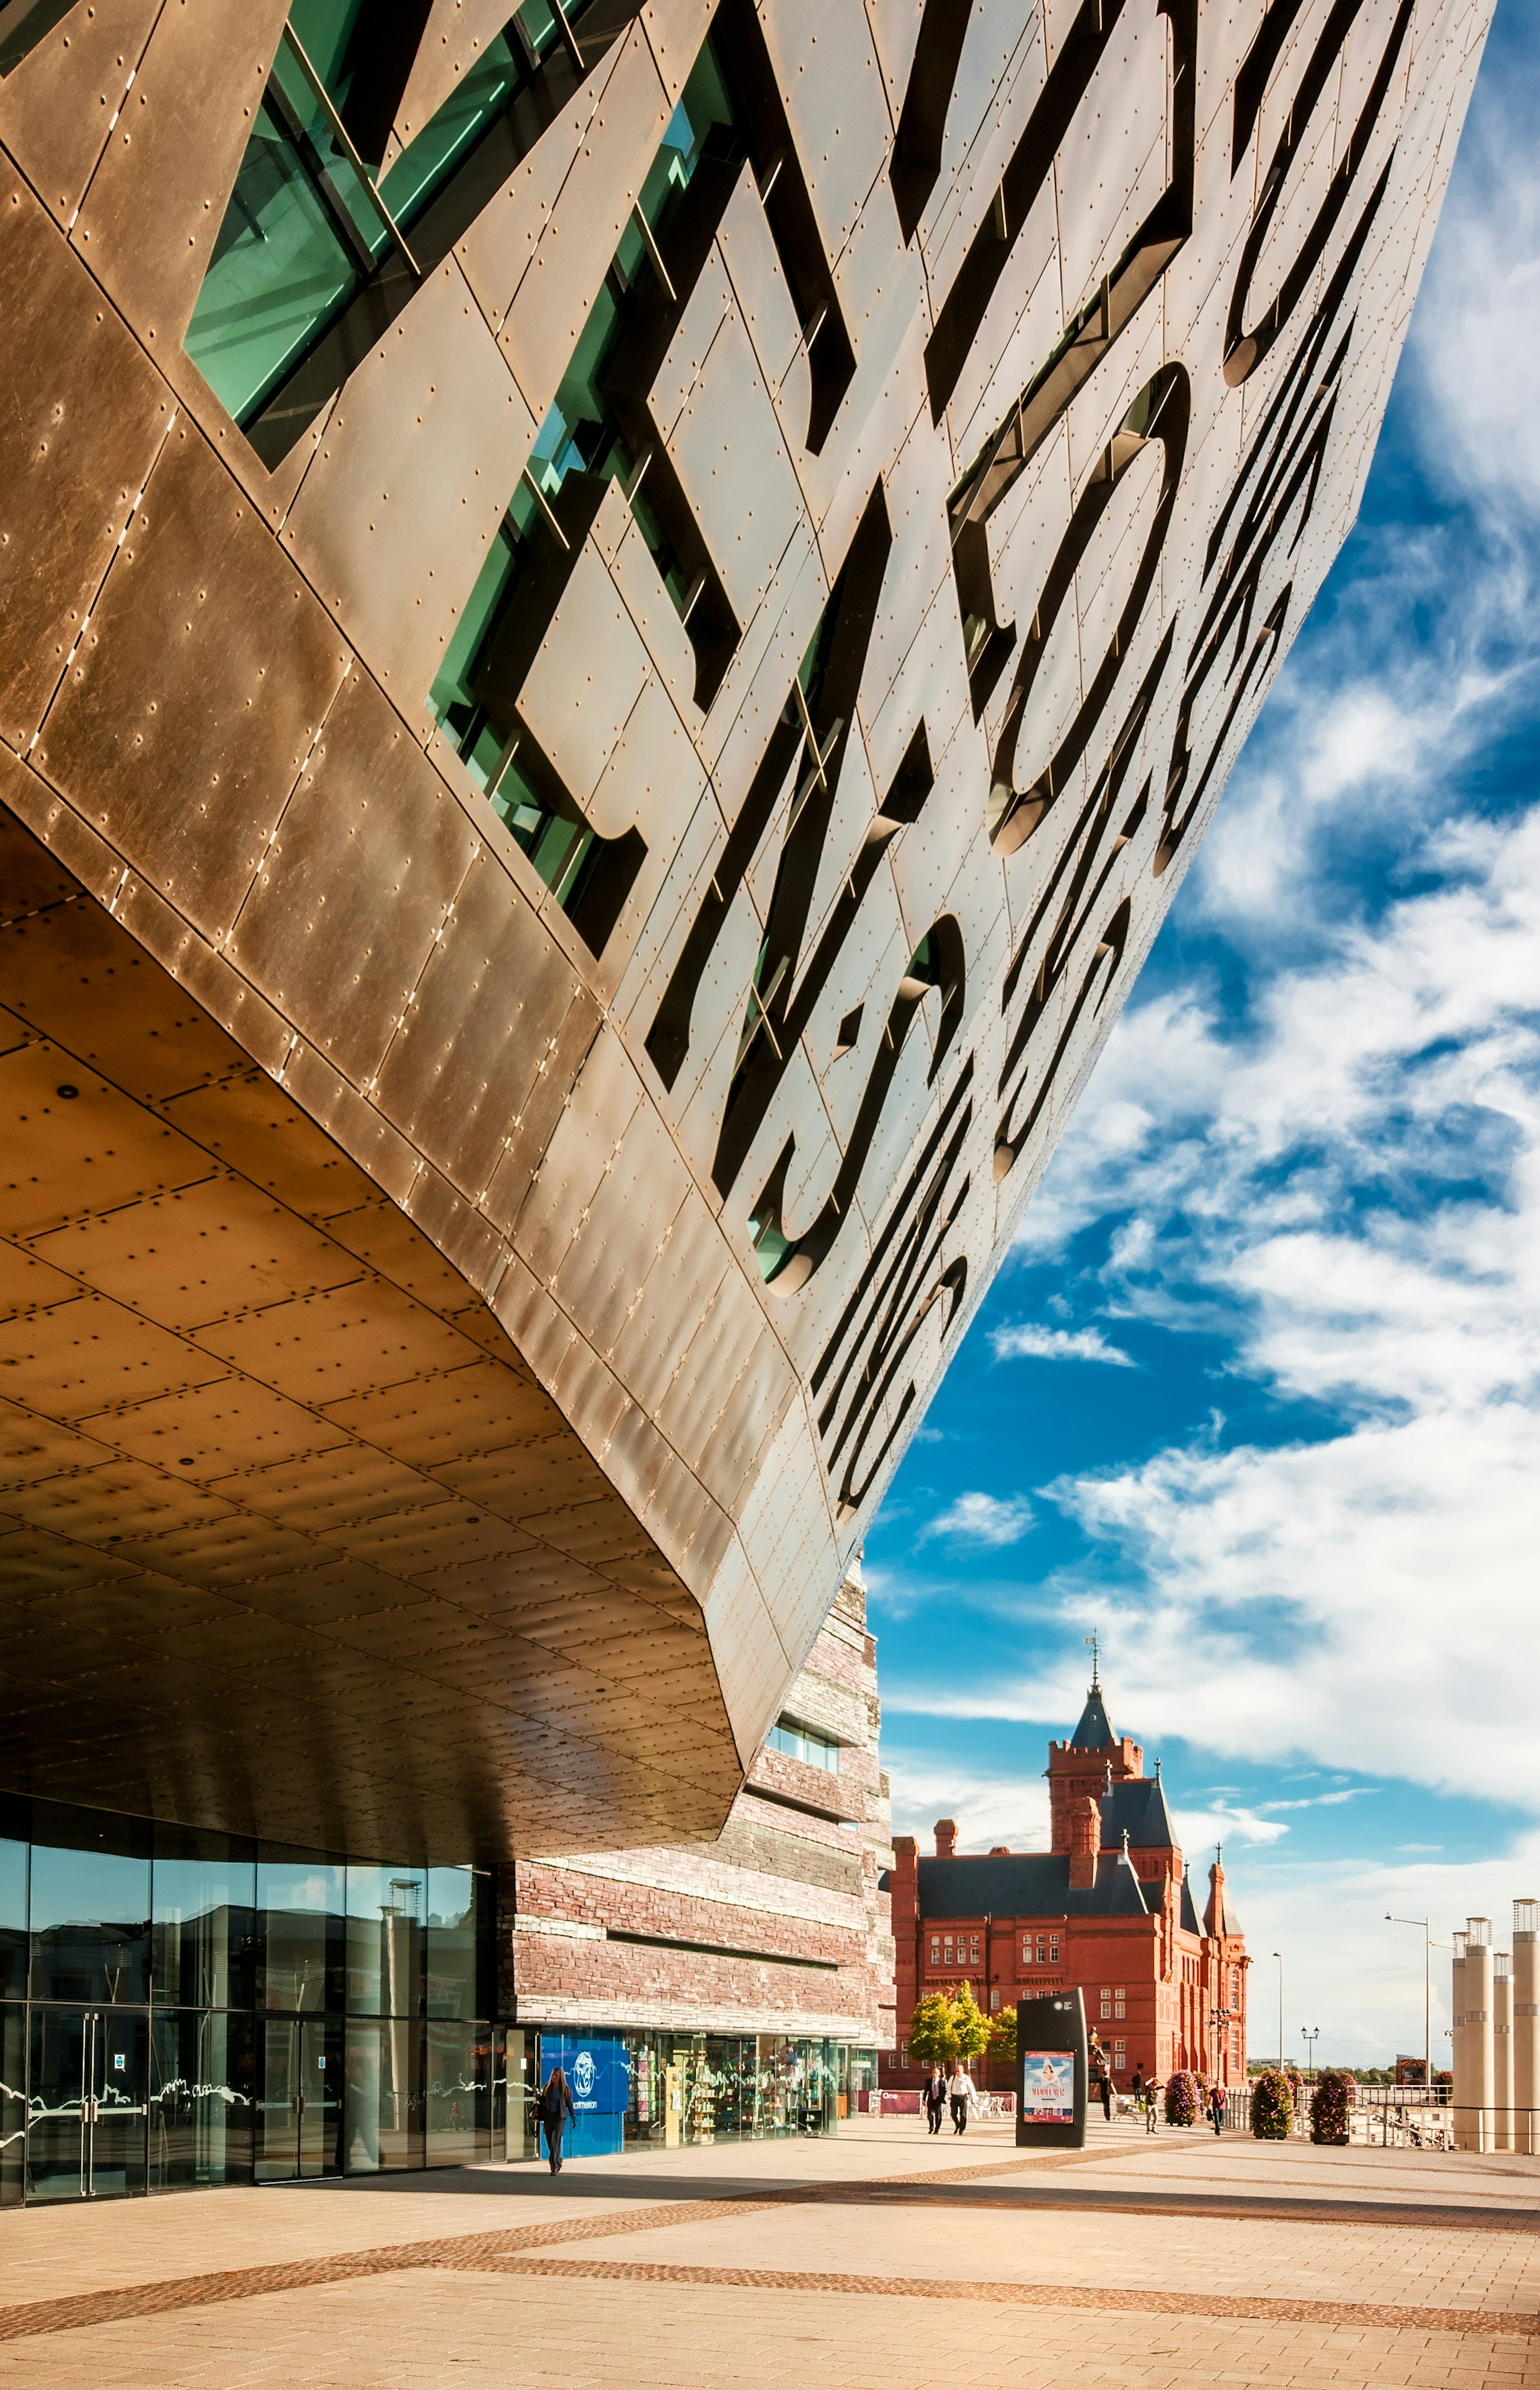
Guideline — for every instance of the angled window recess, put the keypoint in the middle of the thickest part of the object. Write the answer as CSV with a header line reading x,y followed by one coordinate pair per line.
x,y
801,1742
322,245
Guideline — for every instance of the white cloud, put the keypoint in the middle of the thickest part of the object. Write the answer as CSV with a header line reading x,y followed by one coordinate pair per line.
x,y
989,1809
1347,1187
1024,1341
1198,1830
985,1519
1475,343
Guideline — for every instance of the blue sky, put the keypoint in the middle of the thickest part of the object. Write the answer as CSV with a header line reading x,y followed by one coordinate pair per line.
x,y
1257,1392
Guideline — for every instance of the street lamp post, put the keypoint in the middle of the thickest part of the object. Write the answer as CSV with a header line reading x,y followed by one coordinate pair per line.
x,y
1426,1993
1310,2034
1278,1955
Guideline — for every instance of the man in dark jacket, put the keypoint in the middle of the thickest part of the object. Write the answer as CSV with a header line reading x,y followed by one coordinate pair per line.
x,y
555,2106
935,2098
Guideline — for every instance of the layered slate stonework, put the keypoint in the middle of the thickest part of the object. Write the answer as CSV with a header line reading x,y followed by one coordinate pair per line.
x,y
781,1926
616,626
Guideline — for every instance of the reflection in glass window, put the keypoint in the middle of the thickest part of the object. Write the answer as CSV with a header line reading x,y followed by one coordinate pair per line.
x,y
451,1942
13,2103
801,1742
13,1920
202,2102
299,1922
303,231
203,1935
283,268
90,1915
382,2095
458,2058
387,1908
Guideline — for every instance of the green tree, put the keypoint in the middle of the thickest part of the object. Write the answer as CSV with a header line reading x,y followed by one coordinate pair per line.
x,y
1001,2043
948,2025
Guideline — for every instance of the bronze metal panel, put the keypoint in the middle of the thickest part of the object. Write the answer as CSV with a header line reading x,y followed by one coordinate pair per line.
x,y
199,1254
27,1284
550,306
468,1074
587,673
85,1357
57,103
453,35
370,856
229,1421
85,418
148,222
71,1155
208,666
410,482
594,1399
758,281
499,245
322,1348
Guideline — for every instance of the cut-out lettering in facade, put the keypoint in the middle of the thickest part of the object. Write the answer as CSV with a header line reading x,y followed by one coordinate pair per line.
x,y
617,629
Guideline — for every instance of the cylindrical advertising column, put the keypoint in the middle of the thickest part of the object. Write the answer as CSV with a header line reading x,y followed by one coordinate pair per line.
x,y
1459,2092
1526,2027
1502,2049
1478,2026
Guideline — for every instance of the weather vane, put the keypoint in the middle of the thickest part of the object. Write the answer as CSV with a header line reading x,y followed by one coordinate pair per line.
x,y
1094,1646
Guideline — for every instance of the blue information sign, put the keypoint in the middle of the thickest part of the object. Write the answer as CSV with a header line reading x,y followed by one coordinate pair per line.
x,y
597,2069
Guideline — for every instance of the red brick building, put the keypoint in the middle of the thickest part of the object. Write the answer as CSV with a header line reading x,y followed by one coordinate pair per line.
x,y
1108,1907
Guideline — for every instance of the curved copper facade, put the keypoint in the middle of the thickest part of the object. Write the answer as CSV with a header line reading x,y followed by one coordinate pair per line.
x,y
465,1303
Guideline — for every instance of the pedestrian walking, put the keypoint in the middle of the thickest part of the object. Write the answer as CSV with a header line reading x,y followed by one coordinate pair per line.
x,y
555,2106
1101,2076
935,2098
962,2096
1216,2108
1152,2104
1136,2087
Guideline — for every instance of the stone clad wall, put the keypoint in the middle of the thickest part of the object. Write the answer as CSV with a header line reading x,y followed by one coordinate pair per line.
x,y
777,1881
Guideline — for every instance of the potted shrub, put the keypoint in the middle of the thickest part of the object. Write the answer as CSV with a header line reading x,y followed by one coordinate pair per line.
x,y
1272,2105
1329,2110
1184,2099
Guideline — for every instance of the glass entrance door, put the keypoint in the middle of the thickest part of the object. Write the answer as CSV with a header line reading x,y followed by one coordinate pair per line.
x,y
300,2116
87,2102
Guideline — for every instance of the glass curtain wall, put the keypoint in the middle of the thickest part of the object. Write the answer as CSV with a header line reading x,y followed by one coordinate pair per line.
x,y
182,2010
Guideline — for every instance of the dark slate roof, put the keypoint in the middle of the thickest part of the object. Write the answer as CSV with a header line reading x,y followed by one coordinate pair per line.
x,y
1189,1919
1094,1733
1225,1920
1138,1809
1028,1884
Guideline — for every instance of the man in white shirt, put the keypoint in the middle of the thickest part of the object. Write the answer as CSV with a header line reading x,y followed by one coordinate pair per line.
x,y
962,2095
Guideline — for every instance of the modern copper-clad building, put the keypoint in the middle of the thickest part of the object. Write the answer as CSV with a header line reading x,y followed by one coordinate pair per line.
x,y
615,627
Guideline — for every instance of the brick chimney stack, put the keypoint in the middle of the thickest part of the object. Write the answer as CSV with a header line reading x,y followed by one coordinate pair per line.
x,y
946,1838
1085,1831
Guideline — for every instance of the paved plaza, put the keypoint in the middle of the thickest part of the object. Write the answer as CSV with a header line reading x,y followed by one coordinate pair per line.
x,y
880,2258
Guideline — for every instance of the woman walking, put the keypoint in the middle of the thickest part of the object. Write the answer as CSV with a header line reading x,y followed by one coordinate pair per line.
x,y
555,2106
935,2098
1216,2108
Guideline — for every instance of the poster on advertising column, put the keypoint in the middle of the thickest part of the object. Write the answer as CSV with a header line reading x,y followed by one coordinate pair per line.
x,y
1049,2086
1050,2072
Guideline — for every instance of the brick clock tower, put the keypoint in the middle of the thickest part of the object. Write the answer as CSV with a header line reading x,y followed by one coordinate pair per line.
x,y
1108,1907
